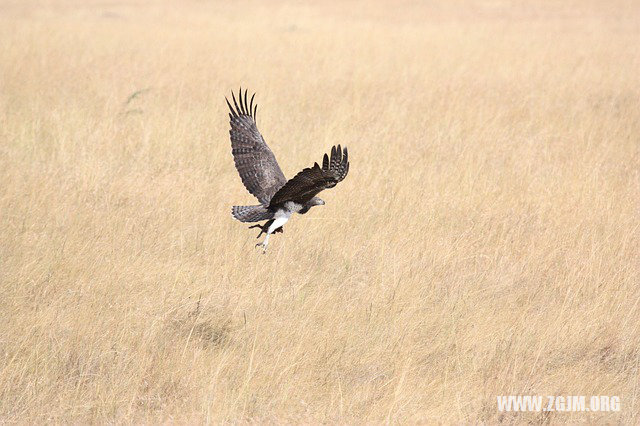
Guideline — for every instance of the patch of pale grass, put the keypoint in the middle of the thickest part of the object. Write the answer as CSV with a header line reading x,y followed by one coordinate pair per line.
x,y
485,242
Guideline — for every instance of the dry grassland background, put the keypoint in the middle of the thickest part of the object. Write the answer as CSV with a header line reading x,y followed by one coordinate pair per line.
x,y
484,243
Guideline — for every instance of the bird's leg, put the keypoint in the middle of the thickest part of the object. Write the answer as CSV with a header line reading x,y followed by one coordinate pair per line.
x,y
264,243
276,224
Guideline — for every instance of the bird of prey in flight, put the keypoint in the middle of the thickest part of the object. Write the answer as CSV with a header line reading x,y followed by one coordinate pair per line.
x,y
260,173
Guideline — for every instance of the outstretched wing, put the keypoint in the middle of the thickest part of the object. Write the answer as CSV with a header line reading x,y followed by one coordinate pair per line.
x,y
256,164
309,182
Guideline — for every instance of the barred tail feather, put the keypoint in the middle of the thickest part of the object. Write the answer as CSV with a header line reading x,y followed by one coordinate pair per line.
x,y
251,213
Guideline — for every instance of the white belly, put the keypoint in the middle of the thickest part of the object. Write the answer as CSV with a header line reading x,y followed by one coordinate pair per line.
x,y
280,218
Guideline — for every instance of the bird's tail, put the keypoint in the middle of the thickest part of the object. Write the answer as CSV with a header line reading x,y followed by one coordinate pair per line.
x,y
251,213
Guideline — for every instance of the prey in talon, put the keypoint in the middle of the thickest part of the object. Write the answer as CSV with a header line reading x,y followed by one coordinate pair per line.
x,y
264,228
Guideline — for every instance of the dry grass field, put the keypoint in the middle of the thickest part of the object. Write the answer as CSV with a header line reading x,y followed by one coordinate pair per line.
x,y
485,242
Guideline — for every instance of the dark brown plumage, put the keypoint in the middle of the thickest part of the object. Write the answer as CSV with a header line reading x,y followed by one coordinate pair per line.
x,y
310,181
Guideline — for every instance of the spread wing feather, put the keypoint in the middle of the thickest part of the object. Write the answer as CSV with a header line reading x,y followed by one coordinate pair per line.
x,y
255,162
310,181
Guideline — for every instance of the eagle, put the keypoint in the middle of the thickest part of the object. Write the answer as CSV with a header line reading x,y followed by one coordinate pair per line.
x,y
260,173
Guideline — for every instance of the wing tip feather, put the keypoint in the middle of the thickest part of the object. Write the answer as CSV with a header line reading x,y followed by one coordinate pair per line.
x,y
243,105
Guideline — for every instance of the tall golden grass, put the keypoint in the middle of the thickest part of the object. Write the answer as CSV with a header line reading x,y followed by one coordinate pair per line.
x,y
484,243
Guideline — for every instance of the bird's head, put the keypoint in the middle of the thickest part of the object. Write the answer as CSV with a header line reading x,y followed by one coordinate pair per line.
x,y
316,201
